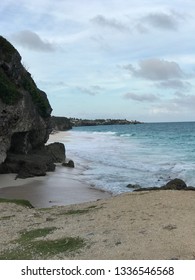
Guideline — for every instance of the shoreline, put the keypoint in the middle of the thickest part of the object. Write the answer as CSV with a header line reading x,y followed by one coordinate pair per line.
x,y
147,225
57,188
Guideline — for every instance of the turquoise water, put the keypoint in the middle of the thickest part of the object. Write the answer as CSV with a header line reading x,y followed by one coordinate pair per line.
x,y
147,154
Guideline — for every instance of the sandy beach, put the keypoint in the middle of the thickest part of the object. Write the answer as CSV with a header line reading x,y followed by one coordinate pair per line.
x,y
148,225
145,225
60,187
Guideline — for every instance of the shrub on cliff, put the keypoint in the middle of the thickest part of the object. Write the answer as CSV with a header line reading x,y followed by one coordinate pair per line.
x,y
15,80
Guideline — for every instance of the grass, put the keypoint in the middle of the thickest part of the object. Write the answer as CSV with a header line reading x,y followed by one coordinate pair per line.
x,y
30,248
21,202
35,233
7,217
79,211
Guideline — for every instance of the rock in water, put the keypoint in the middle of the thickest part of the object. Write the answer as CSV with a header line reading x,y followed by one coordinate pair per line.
x,y
70,163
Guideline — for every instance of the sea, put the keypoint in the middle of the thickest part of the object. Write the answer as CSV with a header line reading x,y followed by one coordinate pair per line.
x,y
111,157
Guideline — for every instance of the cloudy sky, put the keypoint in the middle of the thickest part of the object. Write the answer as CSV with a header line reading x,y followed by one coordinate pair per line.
x,y
131,59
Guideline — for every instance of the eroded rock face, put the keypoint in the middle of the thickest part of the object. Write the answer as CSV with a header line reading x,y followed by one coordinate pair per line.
x,y
24,109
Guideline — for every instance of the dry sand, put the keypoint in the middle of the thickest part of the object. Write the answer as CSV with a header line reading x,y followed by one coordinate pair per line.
x,y
145,225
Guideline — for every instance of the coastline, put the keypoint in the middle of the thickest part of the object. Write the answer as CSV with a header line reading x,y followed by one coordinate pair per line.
x,y
145,225
57,188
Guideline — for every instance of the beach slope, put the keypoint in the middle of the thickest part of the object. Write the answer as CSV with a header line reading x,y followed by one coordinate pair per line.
x,y
147,225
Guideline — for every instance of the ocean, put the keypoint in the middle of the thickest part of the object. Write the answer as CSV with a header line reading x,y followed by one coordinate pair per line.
x,y
148,154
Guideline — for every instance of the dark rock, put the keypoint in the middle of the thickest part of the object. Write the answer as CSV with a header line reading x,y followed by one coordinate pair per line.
x,y
176,184
25,120
35,163
31,169
56,151
60,123
24,109
132,186
70,163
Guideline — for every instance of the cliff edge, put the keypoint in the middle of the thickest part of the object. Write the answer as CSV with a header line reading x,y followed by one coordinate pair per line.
x,y
25,112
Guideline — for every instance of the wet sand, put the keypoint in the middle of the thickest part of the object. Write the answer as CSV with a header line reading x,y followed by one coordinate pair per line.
x,y
60,187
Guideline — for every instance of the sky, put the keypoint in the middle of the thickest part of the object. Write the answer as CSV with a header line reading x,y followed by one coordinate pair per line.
x,y
132,59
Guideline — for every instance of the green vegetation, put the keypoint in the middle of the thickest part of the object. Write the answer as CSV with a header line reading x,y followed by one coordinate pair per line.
x,y
74,212
21,202
35,233
9,92
30,248
79,211
7,217
7,49
38,98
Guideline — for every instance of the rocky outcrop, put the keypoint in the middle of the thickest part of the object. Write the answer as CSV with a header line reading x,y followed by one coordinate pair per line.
x,y
36,163
25,120
175,184
24,109
60,123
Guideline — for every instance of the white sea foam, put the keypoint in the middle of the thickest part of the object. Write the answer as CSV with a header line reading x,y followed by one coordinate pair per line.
x,y
144,155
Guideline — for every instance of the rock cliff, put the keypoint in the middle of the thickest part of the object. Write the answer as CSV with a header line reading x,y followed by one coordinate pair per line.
x,y
25,111
61,123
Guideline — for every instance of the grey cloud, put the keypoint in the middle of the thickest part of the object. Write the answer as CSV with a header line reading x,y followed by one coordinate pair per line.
x,y
110,23
141,97
175,84
92,90
156,70
184,100
141,28
162,20
31,40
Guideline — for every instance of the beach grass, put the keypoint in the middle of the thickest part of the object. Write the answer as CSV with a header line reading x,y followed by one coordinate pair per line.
x,y
29,247
21,202
79,211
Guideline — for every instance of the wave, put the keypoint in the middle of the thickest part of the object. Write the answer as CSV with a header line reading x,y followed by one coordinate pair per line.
x,y
104,133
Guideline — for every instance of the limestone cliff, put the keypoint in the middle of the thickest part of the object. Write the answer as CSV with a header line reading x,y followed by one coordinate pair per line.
x,y
24,109
61,123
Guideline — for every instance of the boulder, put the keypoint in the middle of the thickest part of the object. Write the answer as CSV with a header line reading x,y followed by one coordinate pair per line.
x,y
56,151
70,163
175,184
